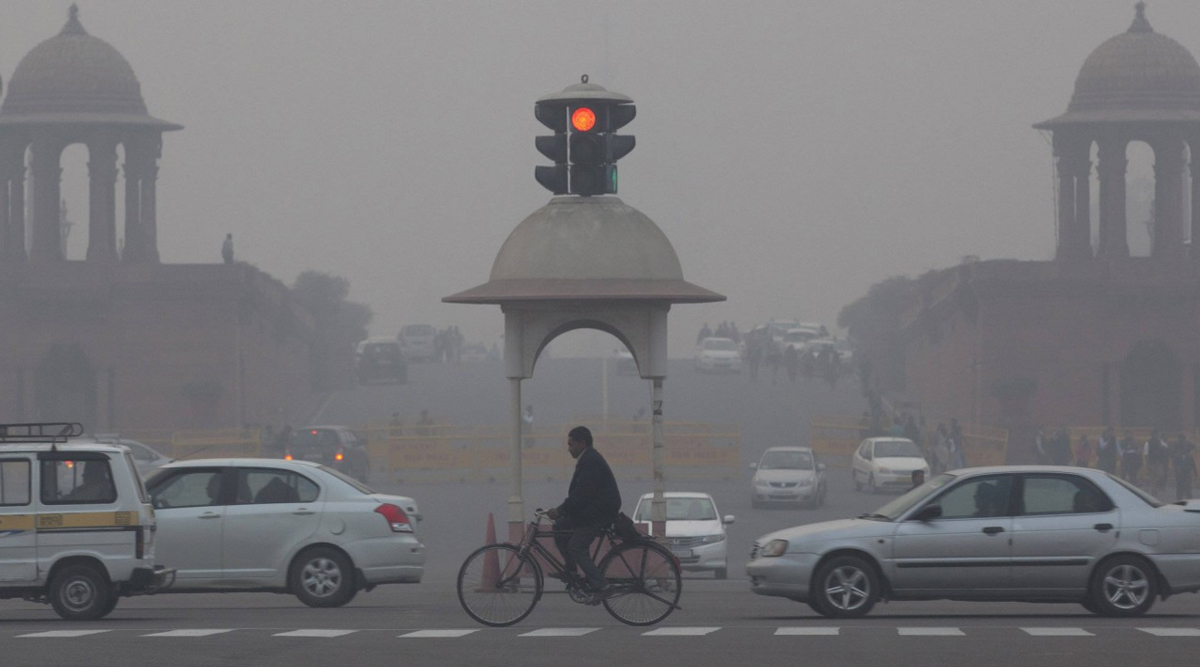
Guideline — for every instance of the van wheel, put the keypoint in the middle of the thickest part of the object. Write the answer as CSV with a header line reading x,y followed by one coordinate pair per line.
x,y
323,577
81,593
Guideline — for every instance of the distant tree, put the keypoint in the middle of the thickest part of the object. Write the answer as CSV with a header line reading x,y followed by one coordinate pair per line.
x,y
339,324
873,324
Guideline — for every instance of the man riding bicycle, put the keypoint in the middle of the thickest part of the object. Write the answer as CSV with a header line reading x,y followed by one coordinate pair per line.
x,y
593,502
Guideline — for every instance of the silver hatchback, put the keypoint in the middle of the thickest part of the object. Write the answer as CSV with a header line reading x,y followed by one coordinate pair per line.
x,y
1012,533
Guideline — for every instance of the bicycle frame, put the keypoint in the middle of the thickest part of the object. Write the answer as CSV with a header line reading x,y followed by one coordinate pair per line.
x,y
529,543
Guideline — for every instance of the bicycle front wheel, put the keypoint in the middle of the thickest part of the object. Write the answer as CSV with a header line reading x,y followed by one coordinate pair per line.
x,y
498,585
646,581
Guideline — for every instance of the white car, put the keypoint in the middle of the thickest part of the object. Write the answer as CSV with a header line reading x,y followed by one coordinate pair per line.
x,y
799,337
718,355
419,342
788,475
282,526
695,530
886,463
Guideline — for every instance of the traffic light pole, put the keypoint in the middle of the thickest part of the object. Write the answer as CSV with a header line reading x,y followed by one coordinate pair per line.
x,y
516,503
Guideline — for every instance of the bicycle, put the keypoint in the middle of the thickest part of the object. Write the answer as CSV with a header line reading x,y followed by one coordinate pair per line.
x,y
500,584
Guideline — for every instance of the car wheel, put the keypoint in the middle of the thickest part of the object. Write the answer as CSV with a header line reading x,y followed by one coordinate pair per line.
x,y
1123,586
845,587
322,577
81,593
721,573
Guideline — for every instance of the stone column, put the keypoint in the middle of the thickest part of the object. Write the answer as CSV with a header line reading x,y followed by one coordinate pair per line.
x,y
1168,199
1073,168
141,172
12,200
47,175
102,204
1111,167
1194,170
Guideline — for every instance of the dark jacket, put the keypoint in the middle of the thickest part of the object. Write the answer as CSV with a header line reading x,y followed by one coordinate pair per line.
x,y
593,496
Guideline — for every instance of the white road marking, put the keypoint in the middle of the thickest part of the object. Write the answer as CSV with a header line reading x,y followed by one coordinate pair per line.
x,y
1058,632
188,633
315,633
559,632
680,632
930,632
65,633
806,631
1172,632
440,633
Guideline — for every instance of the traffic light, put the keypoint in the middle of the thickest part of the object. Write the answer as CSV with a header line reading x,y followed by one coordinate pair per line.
x,y
585,146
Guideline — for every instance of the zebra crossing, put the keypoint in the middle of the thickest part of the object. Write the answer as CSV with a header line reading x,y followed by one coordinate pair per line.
x,y
568,632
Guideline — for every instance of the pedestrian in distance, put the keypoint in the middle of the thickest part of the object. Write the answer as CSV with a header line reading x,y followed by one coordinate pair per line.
x,y
1157,455
1106,451
1183,460
918,478
527,425
227,249
1131,458
791,363
1083,452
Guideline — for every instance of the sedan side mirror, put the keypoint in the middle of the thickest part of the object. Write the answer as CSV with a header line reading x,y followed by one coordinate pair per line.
x,y
928,513
728,519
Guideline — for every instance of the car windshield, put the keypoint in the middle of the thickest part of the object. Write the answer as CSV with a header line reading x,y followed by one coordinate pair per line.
x,y
892,510
314,438
889,448
680,509
1149,499
719,344
786,461
357,485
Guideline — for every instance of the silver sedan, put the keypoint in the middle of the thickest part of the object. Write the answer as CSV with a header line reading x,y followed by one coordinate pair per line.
x,y
1011,533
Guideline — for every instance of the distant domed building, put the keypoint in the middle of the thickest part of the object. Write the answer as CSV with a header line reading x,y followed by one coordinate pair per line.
x,y
1094,337
120,340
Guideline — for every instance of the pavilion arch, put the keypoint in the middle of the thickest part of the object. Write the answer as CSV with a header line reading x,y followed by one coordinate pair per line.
x,y
640,328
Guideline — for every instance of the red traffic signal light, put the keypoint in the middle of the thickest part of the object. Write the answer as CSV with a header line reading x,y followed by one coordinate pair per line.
x,y
583,119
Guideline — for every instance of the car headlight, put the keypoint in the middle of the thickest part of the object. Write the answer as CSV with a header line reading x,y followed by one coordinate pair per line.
x,y
709,539
762,482
774,549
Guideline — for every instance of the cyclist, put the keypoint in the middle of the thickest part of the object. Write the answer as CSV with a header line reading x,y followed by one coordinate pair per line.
x,y
592,504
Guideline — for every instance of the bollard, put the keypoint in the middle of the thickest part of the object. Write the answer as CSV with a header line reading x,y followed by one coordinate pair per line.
x,y
491,560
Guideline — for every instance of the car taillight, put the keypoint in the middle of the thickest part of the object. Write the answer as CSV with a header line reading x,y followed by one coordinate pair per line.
x,y
395,517
287,455
339,456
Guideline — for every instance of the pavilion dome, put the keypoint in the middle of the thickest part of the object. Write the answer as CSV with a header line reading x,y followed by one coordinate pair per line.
x,y
1138,75
75,77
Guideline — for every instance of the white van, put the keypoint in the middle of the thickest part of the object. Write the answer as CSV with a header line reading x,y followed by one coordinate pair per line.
x,y
76,526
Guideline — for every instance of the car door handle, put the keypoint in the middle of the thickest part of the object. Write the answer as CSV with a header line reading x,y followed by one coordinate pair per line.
x,y
1103,527
992,530
303,512
210,515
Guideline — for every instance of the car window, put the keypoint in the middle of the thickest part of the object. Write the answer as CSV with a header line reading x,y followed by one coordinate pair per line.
x,y
1061,494
978,497
787,461
681,509
15,482
77,482
353,483
264,487
897,448
191,488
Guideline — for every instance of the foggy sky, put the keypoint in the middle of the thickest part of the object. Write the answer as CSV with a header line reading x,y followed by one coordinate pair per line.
x,y
794,152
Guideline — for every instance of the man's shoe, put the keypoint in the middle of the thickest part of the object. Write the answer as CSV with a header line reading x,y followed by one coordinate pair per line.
x,y
565,577
602,595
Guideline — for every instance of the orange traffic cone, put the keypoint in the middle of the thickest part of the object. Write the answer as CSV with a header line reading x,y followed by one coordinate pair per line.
x,y
491,559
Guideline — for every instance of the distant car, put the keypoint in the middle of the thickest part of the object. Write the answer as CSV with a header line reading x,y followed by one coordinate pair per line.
x,y
626,365
333,446
419,342
886,463
799,337
718,355
380,359
1005,533
788,475
695,531
282,526
777,328
145,458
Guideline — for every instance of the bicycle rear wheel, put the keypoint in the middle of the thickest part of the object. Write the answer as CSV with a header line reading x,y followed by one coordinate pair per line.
x,y
646,581
499,586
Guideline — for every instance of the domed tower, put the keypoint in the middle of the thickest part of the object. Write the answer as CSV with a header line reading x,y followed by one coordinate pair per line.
x,y
75,88
1137,86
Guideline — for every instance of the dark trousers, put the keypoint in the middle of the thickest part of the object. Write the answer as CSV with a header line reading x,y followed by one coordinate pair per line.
x,y
574,546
